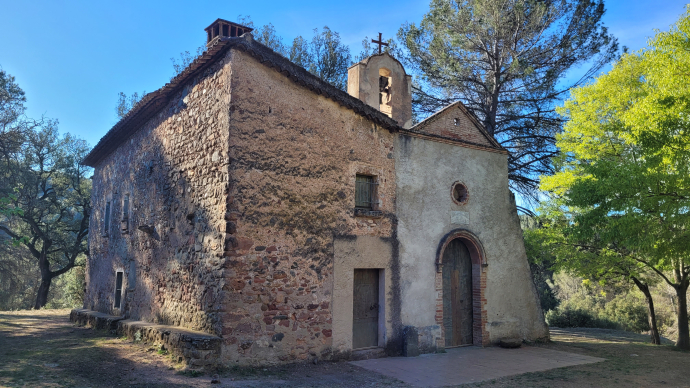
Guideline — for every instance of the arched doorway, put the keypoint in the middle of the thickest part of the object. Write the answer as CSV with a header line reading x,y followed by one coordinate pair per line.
x,y
460,282
457,294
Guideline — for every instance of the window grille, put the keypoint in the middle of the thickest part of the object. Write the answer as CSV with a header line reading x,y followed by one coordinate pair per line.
x,y
106,222
365,192
118,289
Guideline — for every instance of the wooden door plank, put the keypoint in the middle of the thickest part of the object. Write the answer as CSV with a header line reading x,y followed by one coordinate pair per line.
x,y
365,308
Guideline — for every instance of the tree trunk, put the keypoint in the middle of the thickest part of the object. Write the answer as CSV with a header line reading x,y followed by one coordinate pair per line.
x,y
46,279
42,296
683,335
651,315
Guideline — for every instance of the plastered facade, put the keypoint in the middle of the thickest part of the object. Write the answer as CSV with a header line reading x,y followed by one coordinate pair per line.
x,y
425,172
363,83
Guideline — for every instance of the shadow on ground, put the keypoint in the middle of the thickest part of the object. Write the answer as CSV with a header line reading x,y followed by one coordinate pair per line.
x,y
43,349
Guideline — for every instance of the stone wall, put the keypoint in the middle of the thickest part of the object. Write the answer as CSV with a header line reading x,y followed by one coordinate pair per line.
x,y
175,171
294,156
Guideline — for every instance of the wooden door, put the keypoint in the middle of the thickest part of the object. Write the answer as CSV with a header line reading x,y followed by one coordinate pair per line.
x,y
365,324
457,294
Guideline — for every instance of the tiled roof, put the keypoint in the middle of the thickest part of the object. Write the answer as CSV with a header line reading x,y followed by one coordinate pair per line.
x,y
153,102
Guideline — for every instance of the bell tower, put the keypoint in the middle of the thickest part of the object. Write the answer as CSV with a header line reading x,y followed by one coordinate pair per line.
x,y
381,82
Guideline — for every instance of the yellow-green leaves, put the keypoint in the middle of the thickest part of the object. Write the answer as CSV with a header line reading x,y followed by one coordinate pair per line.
x,y
623,175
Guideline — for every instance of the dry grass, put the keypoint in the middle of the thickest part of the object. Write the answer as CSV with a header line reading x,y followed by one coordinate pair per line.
x,y
631,361
43,349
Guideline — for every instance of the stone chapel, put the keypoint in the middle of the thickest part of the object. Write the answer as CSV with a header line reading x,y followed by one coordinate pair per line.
x,y
282,219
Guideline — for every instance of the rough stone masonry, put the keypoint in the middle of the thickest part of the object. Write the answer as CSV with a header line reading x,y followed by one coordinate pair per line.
x,y
224,202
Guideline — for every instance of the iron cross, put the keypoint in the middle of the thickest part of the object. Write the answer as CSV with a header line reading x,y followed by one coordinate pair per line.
x,y
379,42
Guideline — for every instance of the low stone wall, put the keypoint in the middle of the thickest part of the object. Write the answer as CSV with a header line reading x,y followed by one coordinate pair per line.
x,y
196,349
94,319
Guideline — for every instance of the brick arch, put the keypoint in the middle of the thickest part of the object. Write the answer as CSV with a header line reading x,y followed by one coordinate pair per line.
x,y
479,316
471,242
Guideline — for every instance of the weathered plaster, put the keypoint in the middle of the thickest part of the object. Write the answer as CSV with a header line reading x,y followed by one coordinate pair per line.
x,y
426,170
363,83
359,252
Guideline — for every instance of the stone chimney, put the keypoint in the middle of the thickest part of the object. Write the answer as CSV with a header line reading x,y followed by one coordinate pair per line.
x,y
225,29
381,82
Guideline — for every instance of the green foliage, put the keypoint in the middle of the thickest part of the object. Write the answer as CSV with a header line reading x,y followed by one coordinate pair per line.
x,y
45,200
12,99
179,64
621,191
566,316
541,275
324,55
629,312
6,207
541,264
68,290
621,314
369,48
190,373
329,57
587,304
19,277
125,103
506,60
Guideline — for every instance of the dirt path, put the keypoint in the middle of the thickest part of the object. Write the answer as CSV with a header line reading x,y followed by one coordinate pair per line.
x,y
43,349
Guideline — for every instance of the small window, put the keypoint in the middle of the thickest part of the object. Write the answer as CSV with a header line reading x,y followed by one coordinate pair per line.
x,y
456,122
125,213
106,221
459,193
364,191
118,289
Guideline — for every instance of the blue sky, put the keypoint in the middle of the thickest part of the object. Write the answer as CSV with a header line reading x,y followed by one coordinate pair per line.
x,y
72,58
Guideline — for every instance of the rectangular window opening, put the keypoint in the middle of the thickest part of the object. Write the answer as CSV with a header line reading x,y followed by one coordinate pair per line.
x,y
118,289
365,192
106,221
125,213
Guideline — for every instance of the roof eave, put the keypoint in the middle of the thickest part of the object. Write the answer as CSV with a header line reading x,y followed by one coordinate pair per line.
x,y
153,102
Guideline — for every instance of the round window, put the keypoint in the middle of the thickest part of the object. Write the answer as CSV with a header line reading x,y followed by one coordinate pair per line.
x,y
459,193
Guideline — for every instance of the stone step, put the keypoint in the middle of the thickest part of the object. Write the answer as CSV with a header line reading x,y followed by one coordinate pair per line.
x,y
367,354
197,349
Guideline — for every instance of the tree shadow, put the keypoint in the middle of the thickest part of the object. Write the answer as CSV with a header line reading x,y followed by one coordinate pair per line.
x,y
44,350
